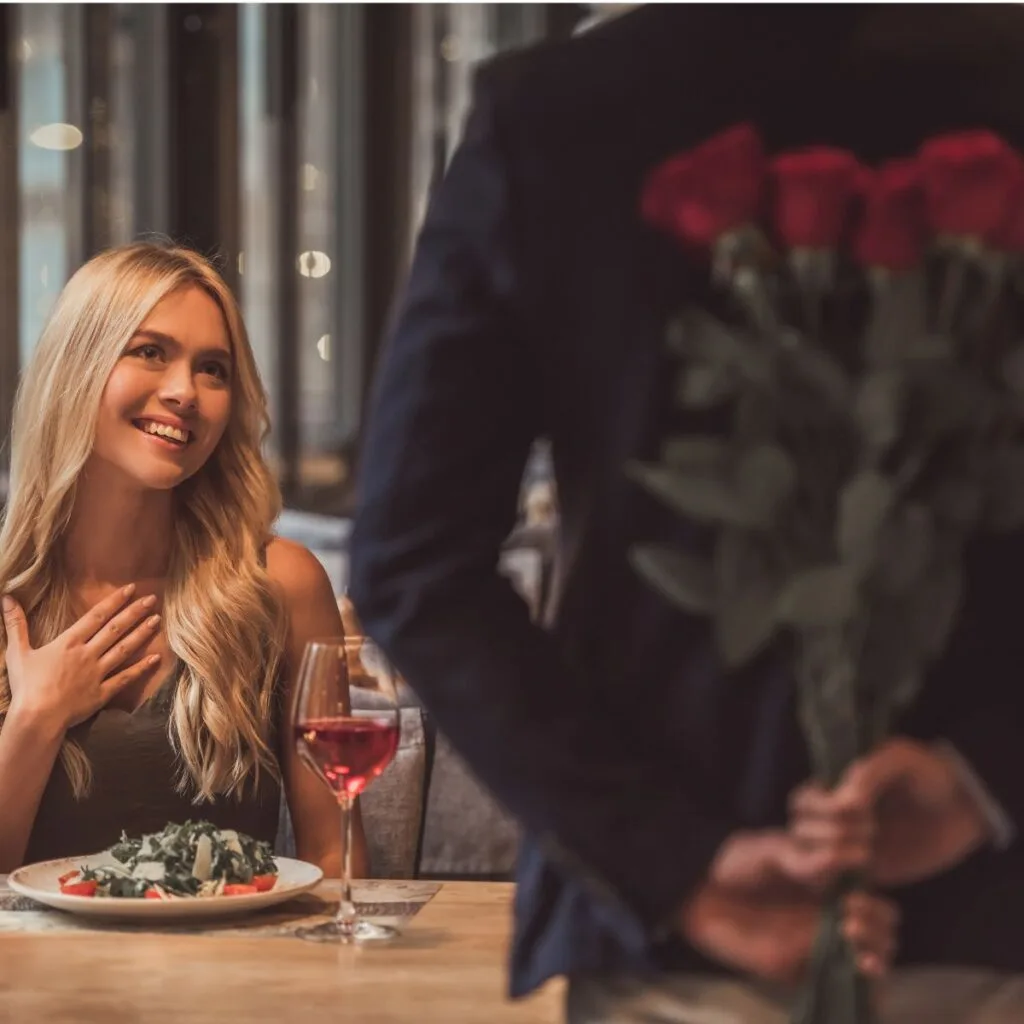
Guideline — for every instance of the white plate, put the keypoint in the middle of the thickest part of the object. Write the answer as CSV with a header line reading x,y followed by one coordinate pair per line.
x,y
40,882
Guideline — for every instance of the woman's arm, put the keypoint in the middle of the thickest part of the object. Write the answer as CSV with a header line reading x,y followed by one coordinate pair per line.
x,y
54,688
312,612
29,745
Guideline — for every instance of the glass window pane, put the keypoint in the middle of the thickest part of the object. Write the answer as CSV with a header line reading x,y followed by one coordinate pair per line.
x,y
317,260
49,162
257,259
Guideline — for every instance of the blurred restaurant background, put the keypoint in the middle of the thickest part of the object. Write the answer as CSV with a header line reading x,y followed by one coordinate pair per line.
x,y
296,145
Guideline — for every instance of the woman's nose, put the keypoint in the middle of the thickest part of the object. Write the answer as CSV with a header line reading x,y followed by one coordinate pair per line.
x,y
178,387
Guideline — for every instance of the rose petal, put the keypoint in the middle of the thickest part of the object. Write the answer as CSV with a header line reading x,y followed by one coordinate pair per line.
x,y
706,192
969,179
893,227
813,192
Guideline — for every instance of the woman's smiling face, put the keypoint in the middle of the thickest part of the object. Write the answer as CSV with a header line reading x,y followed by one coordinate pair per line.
x,y
167,402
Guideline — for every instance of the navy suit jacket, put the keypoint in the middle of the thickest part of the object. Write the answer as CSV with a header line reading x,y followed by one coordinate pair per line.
x,y
536,305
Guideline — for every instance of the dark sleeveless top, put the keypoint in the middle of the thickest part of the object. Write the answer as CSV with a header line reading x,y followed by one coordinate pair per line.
x,y
135,772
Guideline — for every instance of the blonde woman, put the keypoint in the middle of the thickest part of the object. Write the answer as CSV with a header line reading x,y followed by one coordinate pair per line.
x,y
153,624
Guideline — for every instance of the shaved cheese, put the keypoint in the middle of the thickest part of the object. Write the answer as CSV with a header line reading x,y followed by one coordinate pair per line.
x,y
150,870
230,839
202,866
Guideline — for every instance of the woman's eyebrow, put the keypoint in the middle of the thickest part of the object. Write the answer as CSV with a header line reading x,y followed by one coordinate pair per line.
x,y
148,332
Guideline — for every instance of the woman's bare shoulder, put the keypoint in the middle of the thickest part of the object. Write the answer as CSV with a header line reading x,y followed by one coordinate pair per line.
x,y
298,573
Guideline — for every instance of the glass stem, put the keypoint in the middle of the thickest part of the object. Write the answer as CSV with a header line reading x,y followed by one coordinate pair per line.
x,y
346,919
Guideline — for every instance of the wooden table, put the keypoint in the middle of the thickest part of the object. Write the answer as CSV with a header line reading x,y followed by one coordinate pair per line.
x,y
448,966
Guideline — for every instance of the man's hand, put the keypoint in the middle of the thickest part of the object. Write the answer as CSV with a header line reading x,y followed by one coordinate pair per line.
x,y
925,819
760,908
776,860
771,937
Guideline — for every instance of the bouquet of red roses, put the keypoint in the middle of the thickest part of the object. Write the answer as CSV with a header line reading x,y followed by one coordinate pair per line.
x,y
864,329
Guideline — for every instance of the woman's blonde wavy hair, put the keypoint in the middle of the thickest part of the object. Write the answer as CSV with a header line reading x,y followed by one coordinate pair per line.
x,y
224,623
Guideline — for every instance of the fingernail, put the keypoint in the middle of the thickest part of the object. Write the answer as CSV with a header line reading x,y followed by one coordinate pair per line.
x,y
148,602
152,659
871,965
8,603
153,621
129,590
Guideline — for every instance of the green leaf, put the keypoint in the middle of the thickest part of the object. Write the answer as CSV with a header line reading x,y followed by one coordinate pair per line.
x,y
765,478
948,401
905,548
823,596
899,317
699,336
823,373
756,416
709,454
904,633
938,600
685,580
704,385
892,650
878,405
702,496
737,558
748,592
930,347
746,621
864,503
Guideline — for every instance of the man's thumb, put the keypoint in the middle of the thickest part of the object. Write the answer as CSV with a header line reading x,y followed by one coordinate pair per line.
x,y
14,622
869,778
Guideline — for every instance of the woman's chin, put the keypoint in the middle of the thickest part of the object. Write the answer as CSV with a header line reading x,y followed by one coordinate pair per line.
x,y
160,478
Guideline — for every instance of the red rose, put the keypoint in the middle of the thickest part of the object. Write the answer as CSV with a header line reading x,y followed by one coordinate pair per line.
x,y
708,191
892,229
969,178
813,192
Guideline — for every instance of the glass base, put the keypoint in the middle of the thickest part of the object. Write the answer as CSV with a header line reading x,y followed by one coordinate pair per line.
x,y
360,931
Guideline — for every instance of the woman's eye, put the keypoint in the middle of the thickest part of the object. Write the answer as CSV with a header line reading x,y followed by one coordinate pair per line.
x,y
147,352
216,370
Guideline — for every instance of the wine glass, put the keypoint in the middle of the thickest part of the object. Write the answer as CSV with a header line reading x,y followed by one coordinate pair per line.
x,y
345,723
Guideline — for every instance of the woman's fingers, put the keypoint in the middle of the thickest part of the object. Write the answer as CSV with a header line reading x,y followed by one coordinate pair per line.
x,y
16,624
120,626
133,672
131,642
99,615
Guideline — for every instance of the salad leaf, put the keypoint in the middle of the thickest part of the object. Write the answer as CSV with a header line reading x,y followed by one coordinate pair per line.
x,y
193,859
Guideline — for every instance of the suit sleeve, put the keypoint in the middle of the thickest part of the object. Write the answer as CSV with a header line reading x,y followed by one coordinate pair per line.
x,y
975,700
455,411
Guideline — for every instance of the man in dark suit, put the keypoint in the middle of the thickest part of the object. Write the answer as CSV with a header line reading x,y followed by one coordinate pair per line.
x,y
652,786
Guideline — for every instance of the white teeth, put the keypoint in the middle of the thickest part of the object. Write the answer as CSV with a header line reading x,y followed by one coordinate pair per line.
x,y
165,430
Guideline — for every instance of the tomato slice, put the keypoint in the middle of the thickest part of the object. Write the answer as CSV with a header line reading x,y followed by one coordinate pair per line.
x,y
238,889
79,888
152,894
65,878
264,883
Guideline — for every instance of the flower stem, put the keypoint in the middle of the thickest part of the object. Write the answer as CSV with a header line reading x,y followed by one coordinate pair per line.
x,y
834,992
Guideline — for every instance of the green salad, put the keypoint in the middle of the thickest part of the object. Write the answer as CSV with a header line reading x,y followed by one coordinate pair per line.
x,y
194,859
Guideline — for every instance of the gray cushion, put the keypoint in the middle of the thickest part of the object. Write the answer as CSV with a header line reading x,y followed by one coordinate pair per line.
x,y
392,806
466,831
